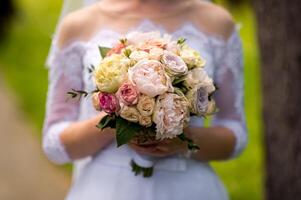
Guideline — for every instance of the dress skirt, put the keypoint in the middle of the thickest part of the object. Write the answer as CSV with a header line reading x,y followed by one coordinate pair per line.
x,y
108,176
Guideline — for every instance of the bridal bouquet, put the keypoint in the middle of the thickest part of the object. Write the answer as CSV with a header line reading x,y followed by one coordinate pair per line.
x,y
149,85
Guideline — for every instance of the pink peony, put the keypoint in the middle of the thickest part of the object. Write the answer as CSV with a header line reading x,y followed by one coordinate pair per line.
x,y
150,78
147,46
108,102
128,94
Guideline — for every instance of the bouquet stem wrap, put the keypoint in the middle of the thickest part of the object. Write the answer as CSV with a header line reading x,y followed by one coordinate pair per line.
x,y
143,164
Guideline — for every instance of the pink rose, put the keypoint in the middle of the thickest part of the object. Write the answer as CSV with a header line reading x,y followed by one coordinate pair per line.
x,y
116,49
128,94
108,102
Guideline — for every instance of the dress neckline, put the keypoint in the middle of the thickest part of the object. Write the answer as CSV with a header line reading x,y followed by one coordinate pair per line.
x,y
146,25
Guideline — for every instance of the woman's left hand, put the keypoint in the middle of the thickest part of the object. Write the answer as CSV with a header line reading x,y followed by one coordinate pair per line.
x,y
163,148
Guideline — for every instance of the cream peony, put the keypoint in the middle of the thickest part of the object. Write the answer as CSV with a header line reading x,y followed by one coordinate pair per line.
x,y
129,113
171,115
149,77
197,78
111,72
191,57
174,65
146,105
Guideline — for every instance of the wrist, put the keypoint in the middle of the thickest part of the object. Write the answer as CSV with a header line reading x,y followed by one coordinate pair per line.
x,y
188,133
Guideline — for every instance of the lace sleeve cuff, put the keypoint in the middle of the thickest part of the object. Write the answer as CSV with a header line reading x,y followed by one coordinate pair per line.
x,y
52,145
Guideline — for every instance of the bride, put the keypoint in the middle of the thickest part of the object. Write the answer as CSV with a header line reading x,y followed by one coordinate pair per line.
x,y
102,171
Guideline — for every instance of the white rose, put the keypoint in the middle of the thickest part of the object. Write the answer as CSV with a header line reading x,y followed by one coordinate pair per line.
x,y
149,77
129,113
146,105
191,57
173,47
171,115
197,78
199,102
145,121
155,53
139,55
174,65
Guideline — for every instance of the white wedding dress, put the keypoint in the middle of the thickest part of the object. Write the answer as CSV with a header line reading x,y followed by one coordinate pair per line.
x,y
108,175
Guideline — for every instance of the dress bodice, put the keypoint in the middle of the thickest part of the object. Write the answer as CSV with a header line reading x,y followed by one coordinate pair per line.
x,y
68,68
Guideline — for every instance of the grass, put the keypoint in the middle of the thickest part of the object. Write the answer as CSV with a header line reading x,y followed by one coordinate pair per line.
x,y
22,58
244,176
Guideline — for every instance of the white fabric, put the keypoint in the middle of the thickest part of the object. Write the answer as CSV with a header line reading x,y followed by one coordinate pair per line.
x,y
107,175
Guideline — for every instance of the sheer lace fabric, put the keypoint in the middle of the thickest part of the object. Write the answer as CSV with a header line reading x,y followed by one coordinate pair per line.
x,y
68,68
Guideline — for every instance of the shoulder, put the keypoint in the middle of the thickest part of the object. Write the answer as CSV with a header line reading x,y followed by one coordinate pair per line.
x,y
216,19
76,26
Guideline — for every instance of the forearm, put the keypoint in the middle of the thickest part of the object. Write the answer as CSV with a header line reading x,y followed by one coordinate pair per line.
x,y
83,138
216,143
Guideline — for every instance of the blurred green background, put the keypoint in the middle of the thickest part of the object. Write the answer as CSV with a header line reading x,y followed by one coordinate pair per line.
x,y
24,51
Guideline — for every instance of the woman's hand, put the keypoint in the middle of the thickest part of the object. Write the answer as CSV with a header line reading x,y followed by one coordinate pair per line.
x,y
162,148
82,139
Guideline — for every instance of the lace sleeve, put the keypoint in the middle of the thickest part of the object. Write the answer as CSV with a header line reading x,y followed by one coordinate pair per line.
x,y
229,97
65,72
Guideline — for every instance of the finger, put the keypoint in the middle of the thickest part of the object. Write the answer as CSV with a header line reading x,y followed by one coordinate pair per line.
x,y
166,141
142,148
149,151
163,148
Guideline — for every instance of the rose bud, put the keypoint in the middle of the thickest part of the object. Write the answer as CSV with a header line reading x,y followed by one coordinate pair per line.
x,y
109,103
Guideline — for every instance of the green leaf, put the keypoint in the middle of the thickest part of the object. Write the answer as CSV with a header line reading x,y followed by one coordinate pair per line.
x,y
179,80
125,131
181,41
77,93
127,53
147,171
123,41
190,144
103,51
179,92
107,121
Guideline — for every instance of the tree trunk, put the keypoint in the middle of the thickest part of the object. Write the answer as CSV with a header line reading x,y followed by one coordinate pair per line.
x,y
280,44
7,10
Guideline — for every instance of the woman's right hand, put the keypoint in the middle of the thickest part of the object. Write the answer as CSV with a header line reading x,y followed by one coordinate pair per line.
x,y
160,148
83,138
